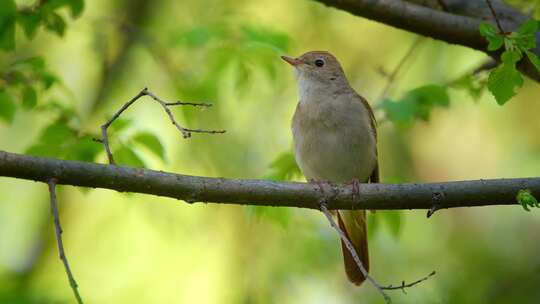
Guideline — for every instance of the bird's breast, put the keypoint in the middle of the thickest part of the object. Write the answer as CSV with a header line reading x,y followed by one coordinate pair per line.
x,y
334,140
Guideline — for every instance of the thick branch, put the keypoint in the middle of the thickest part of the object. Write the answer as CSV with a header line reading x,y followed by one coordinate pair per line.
x,y
266,193
449,27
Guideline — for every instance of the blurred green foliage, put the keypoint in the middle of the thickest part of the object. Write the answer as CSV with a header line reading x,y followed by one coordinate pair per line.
x,y
30,18
66,66
416,104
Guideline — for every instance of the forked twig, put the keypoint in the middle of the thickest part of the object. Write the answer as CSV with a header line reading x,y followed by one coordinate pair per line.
x,y
58,231
165,105
403,285
356,258
351,249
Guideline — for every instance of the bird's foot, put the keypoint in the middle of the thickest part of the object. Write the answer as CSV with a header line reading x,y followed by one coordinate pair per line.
x,y
355,185
321,184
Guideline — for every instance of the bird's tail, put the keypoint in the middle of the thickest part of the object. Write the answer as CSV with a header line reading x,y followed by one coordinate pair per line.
x,y
353,223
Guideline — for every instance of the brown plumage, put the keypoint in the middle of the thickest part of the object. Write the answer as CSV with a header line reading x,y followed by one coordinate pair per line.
x,y
335,139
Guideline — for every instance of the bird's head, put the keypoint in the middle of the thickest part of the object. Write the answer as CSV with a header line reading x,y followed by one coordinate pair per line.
x,y
319,66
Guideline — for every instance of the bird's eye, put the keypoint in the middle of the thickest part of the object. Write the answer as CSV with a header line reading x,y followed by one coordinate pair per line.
x,y
319,62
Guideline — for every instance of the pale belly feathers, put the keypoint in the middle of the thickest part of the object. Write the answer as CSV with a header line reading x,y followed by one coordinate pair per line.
x,y
336,146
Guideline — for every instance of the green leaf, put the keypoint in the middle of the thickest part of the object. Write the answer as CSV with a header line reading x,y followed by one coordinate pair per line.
x,y
281,216
36,63
526,199
48,79
493,37
416,104
126,156
56,140
431,94
284,167
119,124
76,7
472,84
30,22
195,37
57,133
373,223
524,38
29,97
529,27
8,13
503,81
7,106
534,60
151,142
84,149
495,43
274,39
15,77
488,30
401,113
393,220
55,23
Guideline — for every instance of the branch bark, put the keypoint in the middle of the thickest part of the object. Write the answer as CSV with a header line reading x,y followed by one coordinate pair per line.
x,y
266,193
446,26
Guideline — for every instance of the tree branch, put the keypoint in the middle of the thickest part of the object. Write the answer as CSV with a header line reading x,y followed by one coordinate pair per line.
x,y
441,25
266,193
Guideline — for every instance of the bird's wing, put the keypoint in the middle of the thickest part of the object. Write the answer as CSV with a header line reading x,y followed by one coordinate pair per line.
x,y
374,177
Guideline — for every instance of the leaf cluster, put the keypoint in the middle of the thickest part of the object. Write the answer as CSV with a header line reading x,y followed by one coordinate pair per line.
x,y
42,14
525,198
20,84
505,78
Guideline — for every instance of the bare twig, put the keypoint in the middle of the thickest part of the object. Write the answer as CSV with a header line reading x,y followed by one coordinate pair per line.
x,y
351,249
432,210
165,105
58,229
501,30
195,104
403,285
356,258
392,76
488,65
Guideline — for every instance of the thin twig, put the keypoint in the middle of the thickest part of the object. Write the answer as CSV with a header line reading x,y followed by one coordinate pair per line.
x,y
501,30
403,285
488,65
195,104
351,249
58,229
390,78
165,105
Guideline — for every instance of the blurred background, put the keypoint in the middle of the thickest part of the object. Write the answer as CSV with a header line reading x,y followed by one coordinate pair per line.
x,y
82,64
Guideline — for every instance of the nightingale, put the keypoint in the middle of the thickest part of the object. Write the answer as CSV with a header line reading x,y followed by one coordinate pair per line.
x,y
335,140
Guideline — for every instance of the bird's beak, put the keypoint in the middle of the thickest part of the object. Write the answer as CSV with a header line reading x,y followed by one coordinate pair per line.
x,y
292,61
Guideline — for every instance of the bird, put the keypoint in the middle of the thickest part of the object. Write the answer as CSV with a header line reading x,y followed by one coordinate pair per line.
x,y
335,141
